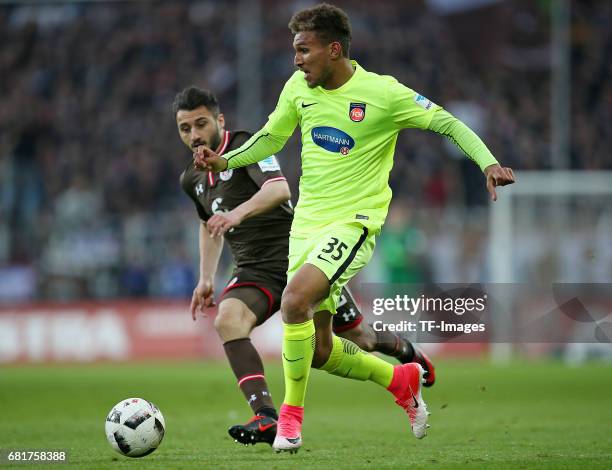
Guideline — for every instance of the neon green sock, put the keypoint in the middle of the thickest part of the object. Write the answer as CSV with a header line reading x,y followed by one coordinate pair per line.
x,y
298,349
347,360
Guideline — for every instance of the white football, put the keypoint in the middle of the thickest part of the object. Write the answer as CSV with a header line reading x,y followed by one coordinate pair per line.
x,y
135,427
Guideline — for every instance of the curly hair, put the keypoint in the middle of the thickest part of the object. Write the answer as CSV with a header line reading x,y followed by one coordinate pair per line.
x,y
193,97
328,21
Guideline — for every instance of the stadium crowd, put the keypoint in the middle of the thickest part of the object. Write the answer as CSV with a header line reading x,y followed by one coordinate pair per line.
x,y
89,155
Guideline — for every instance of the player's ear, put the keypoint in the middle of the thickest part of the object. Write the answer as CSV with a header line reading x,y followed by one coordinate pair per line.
x,y
335,50
221,121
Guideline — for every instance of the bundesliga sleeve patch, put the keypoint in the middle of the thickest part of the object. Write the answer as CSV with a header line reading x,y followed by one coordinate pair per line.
x,y
423,102
269,164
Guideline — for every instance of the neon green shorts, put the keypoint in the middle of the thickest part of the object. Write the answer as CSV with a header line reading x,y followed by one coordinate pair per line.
x,y
339,250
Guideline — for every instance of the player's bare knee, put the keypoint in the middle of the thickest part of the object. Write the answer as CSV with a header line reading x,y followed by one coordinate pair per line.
x,y
230,322
223,323
294,307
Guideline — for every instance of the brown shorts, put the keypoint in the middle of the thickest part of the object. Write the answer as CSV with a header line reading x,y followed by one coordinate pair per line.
x,y
261,291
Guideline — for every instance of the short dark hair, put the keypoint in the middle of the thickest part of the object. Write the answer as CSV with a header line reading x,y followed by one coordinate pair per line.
x,y
328,21
193,97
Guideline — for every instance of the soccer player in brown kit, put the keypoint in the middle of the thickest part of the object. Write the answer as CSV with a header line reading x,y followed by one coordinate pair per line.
x,y
250,207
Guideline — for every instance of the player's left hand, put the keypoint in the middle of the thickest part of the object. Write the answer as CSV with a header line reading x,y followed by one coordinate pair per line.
x,y
218,224
497,176
202,297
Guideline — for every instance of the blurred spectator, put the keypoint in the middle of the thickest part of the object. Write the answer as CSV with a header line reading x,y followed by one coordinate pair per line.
x,y
88,144
135,277
402,247
176,277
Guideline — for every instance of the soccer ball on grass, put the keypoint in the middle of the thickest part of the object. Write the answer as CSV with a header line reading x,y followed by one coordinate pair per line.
x,y
135,427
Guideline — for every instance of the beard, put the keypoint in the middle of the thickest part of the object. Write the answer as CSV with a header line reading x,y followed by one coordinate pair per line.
x,y
215,140
325,75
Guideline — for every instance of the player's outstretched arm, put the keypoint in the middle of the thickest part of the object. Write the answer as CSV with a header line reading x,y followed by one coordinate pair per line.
x,y
271,195
469,143
259,147
265,143
210,251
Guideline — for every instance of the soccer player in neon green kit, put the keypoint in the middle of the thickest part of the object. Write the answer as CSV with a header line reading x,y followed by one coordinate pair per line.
x,y
349,120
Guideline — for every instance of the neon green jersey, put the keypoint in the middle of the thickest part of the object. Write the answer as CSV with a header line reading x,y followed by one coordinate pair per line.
x,y
348,141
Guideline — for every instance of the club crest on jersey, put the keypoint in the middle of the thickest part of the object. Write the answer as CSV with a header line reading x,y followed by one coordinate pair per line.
x,y
226,175
332,139
357,111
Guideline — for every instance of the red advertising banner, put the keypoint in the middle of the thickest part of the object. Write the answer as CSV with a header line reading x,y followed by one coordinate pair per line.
x,y
132,330
115,331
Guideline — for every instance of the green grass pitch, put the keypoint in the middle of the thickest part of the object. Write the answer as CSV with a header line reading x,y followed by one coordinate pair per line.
x,y
523,415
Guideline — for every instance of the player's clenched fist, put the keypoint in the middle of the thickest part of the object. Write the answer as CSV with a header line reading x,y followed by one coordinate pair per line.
x,y
205,159
498,176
